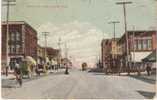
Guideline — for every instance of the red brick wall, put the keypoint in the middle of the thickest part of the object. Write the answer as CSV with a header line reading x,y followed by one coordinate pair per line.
x,y
30,42
3,39
12,28
154,40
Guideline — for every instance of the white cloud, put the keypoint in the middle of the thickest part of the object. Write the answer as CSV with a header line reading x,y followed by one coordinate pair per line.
x,y
82,38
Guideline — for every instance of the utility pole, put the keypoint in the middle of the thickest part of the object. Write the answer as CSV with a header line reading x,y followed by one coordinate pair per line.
x,y
114,27
8,4
114,42
59,46
45,34
66,58
126,33
66,50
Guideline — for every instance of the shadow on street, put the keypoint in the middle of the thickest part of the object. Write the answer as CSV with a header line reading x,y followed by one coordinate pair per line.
x,y
148,95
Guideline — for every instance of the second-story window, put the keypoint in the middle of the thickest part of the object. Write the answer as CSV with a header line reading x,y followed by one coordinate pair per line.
x,y
12,36
149,44
17,48
17,36
135,45
139,45
145,44
12,48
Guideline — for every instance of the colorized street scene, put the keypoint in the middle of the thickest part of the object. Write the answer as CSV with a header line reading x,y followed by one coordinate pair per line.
x,y
78,49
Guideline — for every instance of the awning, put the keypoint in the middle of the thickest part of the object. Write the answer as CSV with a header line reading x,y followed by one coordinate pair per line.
x,y
30,60
150,58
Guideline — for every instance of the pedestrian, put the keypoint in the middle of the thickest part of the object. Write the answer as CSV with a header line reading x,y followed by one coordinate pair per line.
x,y
7,70
66,69
148,69
18,73
36,70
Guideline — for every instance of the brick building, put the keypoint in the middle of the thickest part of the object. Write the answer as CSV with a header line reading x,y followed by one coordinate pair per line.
x,y
109,52
52,53
22,41
106,52
41,55
141,44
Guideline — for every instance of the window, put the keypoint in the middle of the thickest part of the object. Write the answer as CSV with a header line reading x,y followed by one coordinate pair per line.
x,y
12,36
12,48
139,44
135,44
145,44
17,48
17,36
149,44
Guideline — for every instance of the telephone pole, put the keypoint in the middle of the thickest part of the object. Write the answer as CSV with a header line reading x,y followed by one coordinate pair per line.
x,y
45,34
114,42
66,50
59,46
66,58
126,33
8,4
114,27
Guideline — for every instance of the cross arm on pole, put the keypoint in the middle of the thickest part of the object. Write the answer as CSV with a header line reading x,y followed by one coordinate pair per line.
x,y
9,0
113,22
124,2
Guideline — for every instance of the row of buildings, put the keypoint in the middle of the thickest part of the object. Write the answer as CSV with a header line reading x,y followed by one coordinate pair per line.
x,y
140,45
22,42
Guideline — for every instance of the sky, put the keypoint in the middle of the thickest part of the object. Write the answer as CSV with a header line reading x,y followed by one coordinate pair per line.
x,y
81,24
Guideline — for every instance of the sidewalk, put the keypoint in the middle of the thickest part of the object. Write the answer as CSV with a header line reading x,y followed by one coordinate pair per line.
x,y
10,76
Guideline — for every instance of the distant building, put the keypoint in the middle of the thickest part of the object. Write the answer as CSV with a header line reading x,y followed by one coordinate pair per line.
x,y
106,52
22,41
141,44
109,51
41,55
52,53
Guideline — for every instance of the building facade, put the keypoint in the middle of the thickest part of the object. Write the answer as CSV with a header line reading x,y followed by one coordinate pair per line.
x,y
109,52
52,53
106,52
41,54
22,41
141,44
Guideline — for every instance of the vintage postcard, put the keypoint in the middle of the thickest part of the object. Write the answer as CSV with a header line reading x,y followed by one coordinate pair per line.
x,y
78,49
